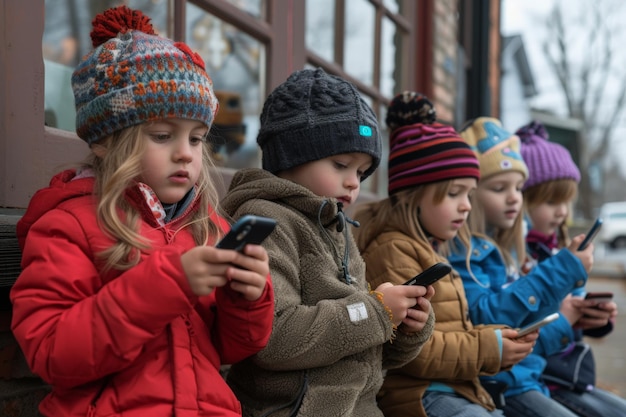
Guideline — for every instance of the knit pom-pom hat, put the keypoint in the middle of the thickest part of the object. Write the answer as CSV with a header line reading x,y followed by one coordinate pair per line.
x,y
546,161
134,76
410,107
314,115
497,150
422,151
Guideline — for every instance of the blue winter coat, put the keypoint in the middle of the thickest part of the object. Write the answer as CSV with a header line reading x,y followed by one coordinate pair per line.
x,y
493,300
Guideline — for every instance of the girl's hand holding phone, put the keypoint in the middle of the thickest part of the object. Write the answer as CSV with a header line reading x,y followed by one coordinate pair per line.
x,y
207,267
585,255
515,348
400,299
417,316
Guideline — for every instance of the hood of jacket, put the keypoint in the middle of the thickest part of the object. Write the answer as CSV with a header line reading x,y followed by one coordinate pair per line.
x,y
254,183
63,187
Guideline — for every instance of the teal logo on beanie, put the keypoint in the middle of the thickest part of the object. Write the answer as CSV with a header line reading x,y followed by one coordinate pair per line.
x,y
365,130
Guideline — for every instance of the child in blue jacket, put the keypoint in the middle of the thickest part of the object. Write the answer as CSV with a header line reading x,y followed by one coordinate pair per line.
x,y
495,289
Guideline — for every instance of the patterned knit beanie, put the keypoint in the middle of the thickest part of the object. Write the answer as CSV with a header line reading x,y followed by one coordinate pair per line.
x,y
422,151
547,161
134,76
497,149
314,115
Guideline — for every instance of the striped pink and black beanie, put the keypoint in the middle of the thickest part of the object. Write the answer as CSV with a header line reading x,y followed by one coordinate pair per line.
x,y
134,76
422,151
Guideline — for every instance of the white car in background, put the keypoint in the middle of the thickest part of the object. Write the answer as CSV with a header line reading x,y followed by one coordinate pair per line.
x,y
613,231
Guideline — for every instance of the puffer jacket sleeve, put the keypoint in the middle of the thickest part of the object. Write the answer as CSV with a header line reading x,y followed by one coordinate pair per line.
x,y
71,327
492,300
448,354
309,336
242,327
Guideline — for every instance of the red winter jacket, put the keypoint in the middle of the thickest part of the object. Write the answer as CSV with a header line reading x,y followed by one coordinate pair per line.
x,y
135,343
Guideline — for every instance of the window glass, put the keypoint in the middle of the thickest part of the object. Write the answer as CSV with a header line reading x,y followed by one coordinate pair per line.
x,y
320,28
389,64
392,5
235,62
253,7
359,40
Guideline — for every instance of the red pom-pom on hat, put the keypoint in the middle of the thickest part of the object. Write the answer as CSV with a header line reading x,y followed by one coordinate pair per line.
x,y
109,23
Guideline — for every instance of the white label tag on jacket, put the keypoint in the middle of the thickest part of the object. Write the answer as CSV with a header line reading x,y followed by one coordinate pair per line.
x,y
357,312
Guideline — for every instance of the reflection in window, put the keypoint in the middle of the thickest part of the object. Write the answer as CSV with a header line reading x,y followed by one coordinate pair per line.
x,y
320,28
252,7
235,61
359,40
392,5
388,62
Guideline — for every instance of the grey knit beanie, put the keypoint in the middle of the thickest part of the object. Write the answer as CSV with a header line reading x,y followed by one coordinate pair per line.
x,y
314,115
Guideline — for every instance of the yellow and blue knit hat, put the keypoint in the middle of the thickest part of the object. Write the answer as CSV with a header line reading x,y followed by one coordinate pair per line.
x,y
496,149
134,76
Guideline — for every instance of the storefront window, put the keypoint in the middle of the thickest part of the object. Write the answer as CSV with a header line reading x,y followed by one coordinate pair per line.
x,y
359,40
235,61
388,57
253,7
320,28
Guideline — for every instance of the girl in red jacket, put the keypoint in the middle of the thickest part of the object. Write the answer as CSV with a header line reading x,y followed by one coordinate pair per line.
x,y
124,306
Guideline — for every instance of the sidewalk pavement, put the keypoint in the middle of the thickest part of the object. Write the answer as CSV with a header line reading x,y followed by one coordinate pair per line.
x,y
609,352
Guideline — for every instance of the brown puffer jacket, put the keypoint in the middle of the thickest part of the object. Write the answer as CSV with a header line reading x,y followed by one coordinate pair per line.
x,y
457,352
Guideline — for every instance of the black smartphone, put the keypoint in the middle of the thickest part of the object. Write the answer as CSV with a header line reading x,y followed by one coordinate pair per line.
x,y
600,297
591,234
248,229
536,325
431,275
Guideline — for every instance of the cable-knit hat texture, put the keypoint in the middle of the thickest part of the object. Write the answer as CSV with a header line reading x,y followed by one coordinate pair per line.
x,y
314,115
422,151
497,150
546,161
134,76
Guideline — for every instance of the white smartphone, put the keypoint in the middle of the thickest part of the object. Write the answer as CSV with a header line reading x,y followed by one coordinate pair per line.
x,y
536,325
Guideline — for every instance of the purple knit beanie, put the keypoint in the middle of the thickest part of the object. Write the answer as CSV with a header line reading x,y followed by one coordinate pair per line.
x,y
546,161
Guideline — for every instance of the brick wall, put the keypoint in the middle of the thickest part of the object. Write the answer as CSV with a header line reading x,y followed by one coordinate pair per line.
x,y
445,40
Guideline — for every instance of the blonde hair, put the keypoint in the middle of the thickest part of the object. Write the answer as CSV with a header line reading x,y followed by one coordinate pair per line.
x,y
507,241
400,211
552,192
116,162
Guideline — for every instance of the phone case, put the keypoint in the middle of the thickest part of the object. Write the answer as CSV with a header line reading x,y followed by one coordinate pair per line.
x,y
538,324
431,275
591,234
248,229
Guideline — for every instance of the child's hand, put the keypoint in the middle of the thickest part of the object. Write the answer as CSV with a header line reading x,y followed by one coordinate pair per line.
x,y
571,309
248,272
400,298
515,349
595,314
585,256
207,267
417,316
